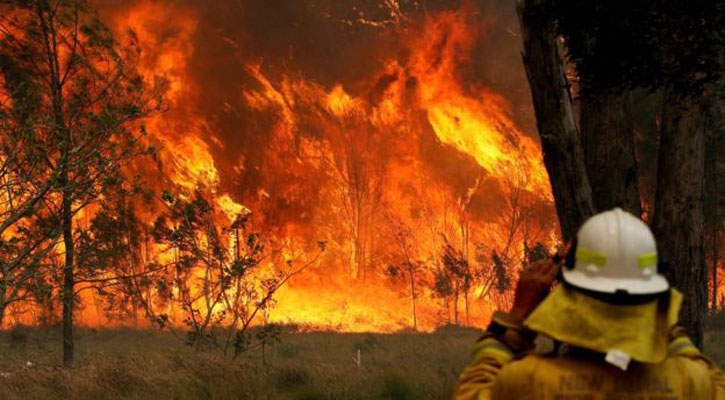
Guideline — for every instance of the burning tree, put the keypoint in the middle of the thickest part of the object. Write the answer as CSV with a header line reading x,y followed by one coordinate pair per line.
x,y
520,224
76,120
406,267
453,279
359,179
323,154
115,261
221,277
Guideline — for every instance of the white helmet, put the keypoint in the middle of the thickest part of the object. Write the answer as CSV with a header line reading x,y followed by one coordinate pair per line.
x,y
615,251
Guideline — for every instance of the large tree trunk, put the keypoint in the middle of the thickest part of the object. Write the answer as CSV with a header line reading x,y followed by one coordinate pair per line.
x,y
679,221
607,136
47,23
563,156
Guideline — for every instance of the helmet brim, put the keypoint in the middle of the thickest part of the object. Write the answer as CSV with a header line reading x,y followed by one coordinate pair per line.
x,y
655,284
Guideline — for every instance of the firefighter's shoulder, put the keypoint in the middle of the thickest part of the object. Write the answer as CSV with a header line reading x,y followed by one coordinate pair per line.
x,y
684,376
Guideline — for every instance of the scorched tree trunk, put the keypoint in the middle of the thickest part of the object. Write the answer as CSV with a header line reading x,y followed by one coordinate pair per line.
x,y
679,220
607,137
563,157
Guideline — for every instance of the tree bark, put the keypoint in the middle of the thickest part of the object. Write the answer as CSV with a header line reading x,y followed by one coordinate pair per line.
x,y
714,269
713,220
465,303
607,137
455,305
679,220
50,43
563,157
68,282
412,298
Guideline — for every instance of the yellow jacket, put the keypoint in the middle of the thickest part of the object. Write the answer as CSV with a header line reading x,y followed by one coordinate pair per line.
x,y
495,373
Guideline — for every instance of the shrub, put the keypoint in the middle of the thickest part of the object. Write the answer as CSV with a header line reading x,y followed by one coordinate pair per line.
x,y
396,388
19,333
286,350
456,330
368,342
291,377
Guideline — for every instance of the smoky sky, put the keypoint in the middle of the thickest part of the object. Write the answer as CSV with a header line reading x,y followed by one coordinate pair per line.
x,y
309,39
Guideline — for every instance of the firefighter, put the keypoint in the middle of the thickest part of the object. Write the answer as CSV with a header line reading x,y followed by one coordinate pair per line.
x,y
610,325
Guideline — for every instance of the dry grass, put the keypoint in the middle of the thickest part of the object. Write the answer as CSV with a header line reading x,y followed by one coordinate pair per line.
x,y
138,364
144,364
715,337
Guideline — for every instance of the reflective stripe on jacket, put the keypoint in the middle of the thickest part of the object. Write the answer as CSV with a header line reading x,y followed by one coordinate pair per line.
x,y
495,374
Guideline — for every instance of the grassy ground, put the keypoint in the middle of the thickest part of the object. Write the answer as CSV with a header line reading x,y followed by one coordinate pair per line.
x,y
715,337
137,364
145,364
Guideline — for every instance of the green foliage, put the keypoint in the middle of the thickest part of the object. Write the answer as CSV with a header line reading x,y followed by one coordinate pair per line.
x,y
217,280
455,275
266,335
442,284
72,122
495,271
199,339
242,341
503,280
269,334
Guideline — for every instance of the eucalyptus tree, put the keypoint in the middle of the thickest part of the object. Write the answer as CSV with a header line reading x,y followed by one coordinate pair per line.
x,y
86,100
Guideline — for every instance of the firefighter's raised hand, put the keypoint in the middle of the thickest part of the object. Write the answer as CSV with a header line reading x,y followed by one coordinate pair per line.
x,y
534,284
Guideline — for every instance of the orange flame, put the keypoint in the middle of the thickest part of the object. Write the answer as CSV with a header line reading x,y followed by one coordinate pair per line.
x,y
397,166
